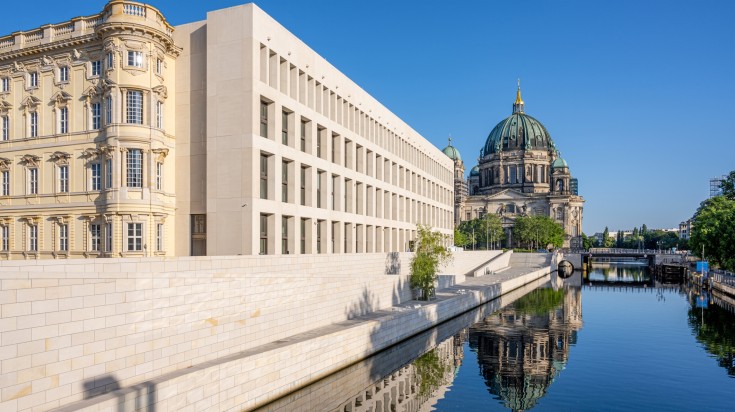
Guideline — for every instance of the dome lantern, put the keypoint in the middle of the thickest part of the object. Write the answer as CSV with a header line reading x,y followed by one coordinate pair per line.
x,y
518,105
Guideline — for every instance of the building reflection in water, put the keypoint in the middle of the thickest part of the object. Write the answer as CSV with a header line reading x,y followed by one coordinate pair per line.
x,y
522,348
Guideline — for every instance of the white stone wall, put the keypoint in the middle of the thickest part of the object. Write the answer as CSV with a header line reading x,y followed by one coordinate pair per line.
x,y
67,324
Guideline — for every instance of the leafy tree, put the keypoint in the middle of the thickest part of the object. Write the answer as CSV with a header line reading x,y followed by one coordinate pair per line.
x,y
484,231
429,256
644,229
714,229
728,186
586,242
607,240
538,231
461,239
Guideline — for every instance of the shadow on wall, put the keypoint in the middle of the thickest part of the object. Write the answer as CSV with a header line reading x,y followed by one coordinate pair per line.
x,y
393,263
140,397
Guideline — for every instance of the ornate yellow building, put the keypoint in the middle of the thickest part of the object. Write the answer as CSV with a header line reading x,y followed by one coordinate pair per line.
x,y
85,141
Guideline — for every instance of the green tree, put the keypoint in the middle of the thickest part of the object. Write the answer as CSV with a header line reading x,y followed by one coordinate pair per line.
x,y
586,242
714,229
728,186
461,239
538,232
429,256
607,240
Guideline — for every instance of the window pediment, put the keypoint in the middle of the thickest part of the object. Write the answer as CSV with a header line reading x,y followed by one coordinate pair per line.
x,y
30,160
30,102
60,158
4,163
61,97
5,106
161,91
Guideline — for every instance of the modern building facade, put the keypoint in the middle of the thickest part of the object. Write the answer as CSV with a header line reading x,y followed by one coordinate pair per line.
x,y
124,136
521,172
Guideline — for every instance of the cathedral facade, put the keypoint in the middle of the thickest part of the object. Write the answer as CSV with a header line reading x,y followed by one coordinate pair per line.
x,y
520,172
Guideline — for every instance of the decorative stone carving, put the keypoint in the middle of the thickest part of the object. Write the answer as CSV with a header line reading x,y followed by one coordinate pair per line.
x,y
160,154
60,158
30,160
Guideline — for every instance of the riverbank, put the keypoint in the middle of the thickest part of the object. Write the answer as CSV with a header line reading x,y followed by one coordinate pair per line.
x,y
212,332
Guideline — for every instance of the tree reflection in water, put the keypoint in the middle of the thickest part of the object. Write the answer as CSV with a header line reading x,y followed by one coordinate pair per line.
x,y
714,328
522,348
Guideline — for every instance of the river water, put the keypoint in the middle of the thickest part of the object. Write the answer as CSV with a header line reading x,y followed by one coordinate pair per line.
x,y
635,344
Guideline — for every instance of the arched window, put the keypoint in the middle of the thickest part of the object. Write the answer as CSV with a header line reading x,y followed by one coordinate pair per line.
x,y
560,185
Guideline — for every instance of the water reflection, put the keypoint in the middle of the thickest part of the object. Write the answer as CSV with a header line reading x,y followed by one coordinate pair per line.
x,y
522,348
619,272
410,376
711,317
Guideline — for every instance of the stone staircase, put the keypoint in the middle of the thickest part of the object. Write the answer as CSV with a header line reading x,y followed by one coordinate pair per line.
x,y
530,260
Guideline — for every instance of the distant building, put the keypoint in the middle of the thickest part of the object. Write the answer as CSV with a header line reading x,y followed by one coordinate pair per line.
x,y
715,186
521,173
685,229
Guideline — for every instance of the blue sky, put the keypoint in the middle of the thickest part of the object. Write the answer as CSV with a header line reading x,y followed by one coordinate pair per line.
x,y
637,95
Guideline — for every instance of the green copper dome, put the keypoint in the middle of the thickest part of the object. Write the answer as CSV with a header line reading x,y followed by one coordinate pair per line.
x,y
475,171
559,163
519,131
452,152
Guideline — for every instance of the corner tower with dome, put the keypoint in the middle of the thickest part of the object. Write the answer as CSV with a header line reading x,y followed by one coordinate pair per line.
x,y
460,184
520,171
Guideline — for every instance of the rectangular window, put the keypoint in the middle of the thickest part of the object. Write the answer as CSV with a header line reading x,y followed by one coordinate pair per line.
x,y
302,242
303,135
159,176
5,84
284,128
33,181
264,119
159,237
263,234
263,177
6,183
6,128
159,66
284,235
319,236
64,179
108,110
135,58
135,168
135,107
95,231
303,186
110,61
108,235
96,67
135,237
108,170
319,178
96,116
33,79
34,124
96,169
33,238
63,74
64,238
64,120
284,181
5,238
159,114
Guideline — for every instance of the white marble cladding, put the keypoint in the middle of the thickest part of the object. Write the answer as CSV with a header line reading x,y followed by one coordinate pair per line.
x,y
67,324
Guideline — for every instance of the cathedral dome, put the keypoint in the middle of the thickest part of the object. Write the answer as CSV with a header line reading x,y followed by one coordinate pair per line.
x,y
452,151
519,131
559,164
475,171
